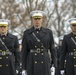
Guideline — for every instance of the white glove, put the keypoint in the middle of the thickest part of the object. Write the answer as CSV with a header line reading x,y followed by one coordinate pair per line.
x,y
62,72
24,72
17,71
52,70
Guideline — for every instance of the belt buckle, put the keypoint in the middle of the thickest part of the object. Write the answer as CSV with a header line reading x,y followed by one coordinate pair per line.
x,y
3,53
38,50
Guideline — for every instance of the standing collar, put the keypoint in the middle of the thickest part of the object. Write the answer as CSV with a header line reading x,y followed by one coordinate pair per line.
x,y
38,29
4,34
32,30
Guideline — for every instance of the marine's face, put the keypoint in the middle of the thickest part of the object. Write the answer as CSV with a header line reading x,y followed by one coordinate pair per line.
x,y
37,22
73,27
3,29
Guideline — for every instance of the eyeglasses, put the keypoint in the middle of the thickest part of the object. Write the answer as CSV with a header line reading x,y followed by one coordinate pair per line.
x,y
37,18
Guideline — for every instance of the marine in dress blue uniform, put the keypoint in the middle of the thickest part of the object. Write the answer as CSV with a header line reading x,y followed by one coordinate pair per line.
x,y
9,58
35,45
69,50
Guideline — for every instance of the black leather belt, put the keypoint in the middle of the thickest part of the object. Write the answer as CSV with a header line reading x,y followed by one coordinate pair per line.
x,y
38,50
3,53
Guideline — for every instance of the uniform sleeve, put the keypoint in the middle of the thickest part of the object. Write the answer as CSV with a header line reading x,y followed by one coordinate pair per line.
x,y
24,51
52,50
16,53
62,53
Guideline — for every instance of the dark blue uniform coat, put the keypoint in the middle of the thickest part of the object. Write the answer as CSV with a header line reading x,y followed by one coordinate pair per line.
x,y
9,63
37,63
68,53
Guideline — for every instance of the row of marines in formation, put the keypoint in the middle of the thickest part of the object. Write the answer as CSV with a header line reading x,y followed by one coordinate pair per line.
x,y
33,58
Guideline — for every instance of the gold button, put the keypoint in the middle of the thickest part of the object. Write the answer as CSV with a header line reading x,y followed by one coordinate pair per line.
x,y
42,62
3,38
35,62
35,46
65,61
37,32
42,46
42,54
41,49
0,57
74,57
6,57
6,64
35,53
75,36
0,50
74,65
0,65
74,49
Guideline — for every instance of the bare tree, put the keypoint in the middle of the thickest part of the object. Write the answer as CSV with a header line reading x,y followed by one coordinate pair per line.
x,y
57,11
